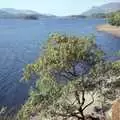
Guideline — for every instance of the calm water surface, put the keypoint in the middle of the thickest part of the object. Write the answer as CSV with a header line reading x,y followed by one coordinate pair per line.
x,y
20,42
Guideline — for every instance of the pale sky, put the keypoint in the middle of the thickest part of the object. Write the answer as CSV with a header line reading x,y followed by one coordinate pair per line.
x,y
56,7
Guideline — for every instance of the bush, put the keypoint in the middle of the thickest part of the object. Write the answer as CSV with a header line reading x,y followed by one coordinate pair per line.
x,y
61,57
114,19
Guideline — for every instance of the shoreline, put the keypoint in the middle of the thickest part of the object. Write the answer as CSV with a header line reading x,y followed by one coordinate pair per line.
x,y
113,30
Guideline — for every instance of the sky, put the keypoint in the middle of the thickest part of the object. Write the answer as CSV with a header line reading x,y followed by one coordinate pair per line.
x,y
56,7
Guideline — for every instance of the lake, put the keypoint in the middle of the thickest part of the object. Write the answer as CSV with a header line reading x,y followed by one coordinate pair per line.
x,y
20,42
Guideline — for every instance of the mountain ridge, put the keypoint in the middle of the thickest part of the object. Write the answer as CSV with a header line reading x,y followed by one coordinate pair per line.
x,y
17,13
105,8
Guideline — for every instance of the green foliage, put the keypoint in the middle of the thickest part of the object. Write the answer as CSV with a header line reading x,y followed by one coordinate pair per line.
x,y
62,53
53,100
47,92
114,19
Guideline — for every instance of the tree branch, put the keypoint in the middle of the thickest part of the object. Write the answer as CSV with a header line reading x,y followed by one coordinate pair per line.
x,y
68,115
83,98
69,72
65,76
89,103
77,97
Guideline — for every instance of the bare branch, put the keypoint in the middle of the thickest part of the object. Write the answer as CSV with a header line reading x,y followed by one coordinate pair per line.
x,y
77,97
69,72
68,115
89,103
65,76
83,98
74,102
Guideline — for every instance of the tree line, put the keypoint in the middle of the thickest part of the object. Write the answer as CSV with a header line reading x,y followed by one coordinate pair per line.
x,y
114,18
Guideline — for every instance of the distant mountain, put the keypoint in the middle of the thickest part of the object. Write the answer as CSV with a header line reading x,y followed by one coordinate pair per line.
x,y
14,13
106,8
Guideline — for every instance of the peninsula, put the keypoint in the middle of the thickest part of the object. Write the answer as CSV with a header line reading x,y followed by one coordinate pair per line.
x,y
114,30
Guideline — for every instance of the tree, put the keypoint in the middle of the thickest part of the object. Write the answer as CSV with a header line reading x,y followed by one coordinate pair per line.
x,y
62,59
114,19
63,54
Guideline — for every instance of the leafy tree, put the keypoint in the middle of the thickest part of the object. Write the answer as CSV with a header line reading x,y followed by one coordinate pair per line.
x,y
79,62
114,19
62,54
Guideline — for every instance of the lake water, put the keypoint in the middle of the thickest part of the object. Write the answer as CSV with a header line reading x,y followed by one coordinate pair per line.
x,y
20,42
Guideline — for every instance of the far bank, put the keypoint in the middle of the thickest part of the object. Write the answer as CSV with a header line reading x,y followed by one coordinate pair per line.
x,y
109,29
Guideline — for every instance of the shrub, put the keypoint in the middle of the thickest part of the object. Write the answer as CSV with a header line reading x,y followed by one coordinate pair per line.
x,y
114,19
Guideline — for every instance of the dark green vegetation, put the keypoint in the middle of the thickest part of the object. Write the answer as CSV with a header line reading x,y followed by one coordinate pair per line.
x,y
99,15
104,15
62,89
114,19
32,17
7,115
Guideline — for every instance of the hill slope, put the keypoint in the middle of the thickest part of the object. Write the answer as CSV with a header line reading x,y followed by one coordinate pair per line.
x,y
106,8
14,13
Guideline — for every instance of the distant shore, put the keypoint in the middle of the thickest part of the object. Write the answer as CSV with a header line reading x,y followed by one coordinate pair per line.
x,y
109,29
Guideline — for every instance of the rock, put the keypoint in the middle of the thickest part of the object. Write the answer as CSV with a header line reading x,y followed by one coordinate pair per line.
x,y
116,110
